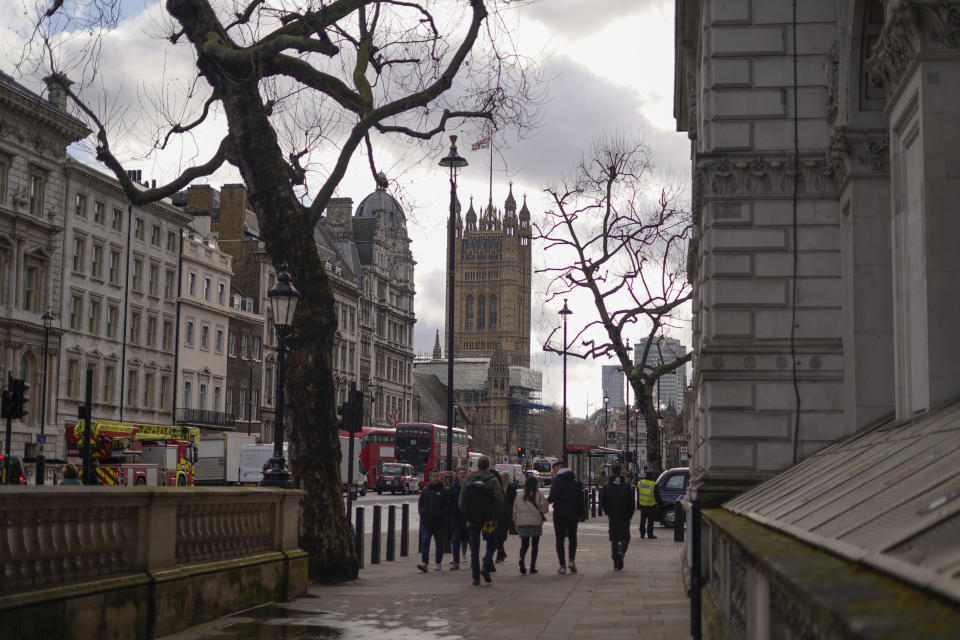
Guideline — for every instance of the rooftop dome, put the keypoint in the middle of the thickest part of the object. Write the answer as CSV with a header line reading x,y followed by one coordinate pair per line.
x,y
381,204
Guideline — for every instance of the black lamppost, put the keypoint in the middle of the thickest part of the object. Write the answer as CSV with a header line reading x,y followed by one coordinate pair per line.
x,y
370,389
283,299
47,318
606,405
452,161
564,312
627,457
419,395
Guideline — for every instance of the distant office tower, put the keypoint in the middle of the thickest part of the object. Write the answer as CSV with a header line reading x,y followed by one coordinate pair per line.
x,y
612,380
670,387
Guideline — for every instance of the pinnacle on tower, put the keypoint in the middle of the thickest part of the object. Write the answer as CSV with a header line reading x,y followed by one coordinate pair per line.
x,y
437,354
510,205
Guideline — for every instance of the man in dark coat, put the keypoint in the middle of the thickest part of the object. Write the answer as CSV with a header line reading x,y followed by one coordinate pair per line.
x,y
566,496
616,498
434,509
484,517
458,525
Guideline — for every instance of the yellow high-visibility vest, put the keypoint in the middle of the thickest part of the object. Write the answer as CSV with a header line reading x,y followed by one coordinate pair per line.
x,y
645,497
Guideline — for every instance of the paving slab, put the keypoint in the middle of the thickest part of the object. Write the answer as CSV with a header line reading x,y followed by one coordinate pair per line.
x,y
394,601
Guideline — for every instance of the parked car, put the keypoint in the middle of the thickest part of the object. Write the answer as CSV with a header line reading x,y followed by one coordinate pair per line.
x,y
533,473
397,477
15,468
672,484
514,472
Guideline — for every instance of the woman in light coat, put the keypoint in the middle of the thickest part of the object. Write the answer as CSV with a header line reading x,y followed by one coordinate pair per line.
x,y
529,513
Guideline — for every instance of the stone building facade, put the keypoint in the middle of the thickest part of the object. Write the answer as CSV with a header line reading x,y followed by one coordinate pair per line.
x,y
824,147
34,134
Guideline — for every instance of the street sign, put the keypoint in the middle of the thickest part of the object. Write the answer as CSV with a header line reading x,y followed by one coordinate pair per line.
x,y
41,438
683,449
611,436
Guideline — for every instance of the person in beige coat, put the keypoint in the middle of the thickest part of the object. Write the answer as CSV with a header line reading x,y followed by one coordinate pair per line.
x,y
529,513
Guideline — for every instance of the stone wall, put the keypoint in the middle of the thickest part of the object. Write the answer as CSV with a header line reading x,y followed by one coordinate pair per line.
x,y
139,562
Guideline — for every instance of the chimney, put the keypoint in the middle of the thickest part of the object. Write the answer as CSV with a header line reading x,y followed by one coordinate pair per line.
x,y
57,85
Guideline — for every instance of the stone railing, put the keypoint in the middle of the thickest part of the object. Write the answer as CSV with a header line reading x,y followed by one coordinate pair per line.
x,y
55,535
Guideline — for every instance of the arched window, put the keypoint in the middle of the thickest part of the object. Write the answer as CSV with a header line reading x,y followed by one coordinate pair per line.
x,y
493,313
469,314
481,313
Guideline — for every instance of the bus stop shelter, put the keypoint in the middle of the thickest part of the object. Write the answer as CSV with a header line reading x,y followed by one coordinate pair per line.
x,y
584,458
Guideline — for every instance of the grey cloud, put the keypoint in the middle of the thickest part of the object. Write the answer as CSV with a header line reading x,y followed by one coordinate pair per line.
x,y
574,18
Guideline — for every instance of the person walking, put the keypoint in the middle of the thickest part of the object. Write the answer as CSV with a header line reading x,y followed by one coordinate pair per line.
x,y
481,502
616,498
648,497
529,514
566,496
69,474
434,509
457,523
505,524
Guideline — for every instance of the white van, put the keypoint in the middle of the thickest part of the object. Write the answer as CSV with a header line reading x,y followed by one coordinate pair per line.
x,y
514,472
472,458
252,459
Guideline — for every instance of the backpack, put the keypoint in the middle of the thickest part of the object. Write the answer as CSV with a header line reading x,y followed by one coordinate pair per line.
x,y
477,501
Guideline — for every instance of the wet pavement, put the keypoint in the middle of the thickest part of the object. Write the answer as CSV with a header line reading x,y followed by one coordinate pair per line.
x,y
394,601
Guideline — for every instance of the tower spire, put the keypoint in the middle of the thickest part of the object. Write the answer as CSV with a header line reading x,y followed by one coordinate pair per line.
x,y
437,354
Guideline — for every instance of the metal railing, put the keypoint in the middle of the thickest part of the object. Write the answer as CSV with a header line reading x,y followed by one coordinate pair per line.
x,y
202,416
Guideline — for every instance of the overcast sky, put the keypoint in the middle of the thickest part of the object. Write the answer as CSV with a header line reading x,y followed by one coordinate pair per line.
x,y
609,71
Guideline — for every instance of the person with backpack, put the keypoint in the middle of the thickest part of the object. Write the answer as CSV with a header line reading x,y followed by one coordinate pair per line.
x,y
648,497
481,502
529,514
458,525
616,498
434,509
566,496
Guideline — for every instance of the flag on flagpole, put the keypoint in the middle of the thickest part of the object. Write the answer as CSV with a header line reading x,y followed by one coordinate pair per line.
x,y
480,144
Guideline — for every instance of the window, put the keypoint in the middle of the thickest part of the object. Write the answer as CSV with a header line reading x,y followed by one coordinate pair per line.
x,y
256,346
137,274
116,222
154,276
493,312
242,413
93,325
76,309
221,293
80,207
135,327
73,380
167,335
219,344
114,267
268,385
79,251
216,398
232,344
204,337
192,284
206,289
148,391
187,394
168,284
255,403
99,212
188,339
155,235
228,407
31,278
481,313
164,392
96,261
171,241
112,313
469,314
151,332
132,380
138,229
109,374
37,185
203,397
244,345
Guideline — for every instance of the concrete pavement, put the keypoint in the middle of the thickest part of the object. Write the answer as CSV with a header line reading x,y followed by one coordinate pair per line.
x,y
646,600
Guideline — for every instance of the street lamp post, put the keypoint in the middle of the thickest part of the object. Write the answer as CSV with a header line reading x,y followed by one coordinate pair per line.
x,y
47,318
627,456
283,299
370,389
564,312
452,161
419,395
606,405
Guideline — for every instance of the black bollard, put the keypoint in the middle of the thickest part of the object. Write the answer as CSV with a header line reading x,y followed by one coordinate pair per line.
x,y
375,541
358,532
404,530
679,515
593,503
586,505
599,506
391,531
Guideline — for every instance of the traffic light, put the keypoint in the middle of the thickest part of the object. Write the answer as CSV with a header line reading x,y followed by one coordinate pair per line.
x,y
342,411
20,389
7,403
356,411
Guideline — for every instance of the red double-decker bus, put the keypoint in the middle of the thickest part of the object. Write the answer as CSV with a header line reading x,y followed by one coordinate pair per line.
x,y
424,446
376,446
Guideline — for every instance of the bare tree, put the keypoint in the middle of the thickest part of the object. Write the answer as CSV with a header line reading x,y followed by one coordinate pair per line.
x,y
628,251
295,88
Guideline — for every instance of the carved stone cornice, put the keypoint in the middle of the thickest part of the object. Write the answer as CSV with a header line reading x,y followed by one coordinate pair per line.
x,y
858,153
911,27
760,176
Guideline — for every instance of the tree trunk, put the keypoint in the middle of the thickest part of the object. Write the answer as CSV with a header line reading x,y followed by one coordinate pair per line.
x,y
653,430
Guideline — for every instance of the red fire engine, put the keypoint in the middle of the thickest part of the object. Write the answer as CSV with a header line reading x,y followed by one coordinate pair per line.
x,y
137,454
